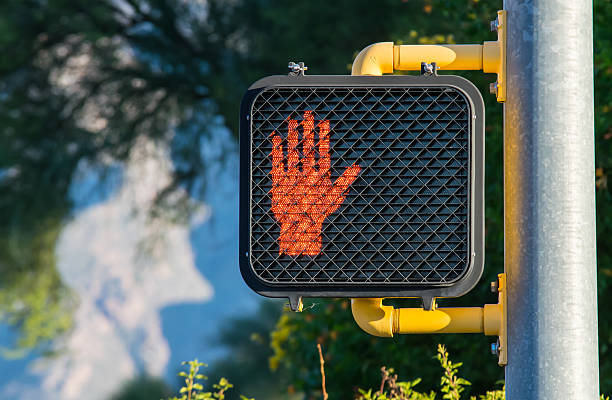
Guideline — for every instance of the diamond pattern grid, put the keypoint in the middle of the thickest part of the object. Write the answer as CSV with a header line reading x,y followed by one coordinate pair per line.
x,y
405,218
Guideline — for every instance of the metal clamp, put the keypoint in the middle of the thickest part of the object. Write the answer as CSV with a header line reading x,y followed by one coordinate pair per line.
x,y
297,69
501,346
428,69
499,87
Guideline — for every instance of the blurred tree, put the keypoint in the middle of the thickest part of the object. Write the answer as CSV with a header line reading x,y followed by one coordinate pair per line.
x,y
143,388
82,82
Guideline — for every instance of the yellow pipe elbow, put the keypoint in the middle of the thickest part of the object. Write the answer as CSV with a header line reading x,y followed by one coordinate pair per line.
x,y
384,57
376,59
373,317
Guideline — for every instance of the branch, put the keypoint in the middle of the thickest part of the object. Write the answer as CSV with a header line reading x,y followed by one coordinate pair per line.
x,y
322,361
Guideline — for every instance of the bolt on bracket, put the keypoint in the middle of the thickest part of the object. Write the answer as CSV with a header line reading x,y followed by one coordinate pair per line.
x,y
297,69
502,301
501,28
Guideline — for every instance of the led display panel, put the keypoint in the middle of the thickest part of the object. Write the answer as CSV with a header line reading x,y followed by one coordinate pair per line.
x,y
361,186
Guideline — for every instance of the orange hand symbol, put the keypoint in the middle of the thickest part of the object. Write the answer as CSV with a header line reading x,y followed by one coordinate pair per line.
x,y
303,199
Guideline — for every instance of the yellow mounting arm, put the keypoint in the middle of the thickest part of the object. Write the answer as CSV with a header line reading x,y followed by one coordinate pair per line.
x,y
384,321
379,320
385,57
370,314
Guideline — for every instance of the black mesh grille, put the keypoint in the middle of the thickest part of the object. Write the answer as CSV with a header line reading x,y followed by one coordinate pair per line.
x,y
404,217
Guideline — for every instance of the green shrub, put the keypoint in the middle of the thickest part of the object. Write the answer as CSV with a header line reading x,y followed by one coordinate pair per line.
x,y
193,389
451,385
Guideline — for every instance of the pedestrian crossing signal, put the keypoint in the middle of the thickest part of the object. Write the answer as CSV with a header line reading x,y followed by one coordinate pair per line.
x,y
354,186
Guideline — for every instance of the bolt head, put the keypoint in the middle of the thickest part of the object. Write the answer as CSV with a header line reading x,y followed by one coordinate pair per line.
x,y
493,88
297,68
495,348
494,25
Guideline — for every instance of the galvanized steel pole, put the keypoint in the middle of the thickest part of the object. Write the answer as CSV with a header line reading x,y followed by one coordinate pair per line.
x,y
549,201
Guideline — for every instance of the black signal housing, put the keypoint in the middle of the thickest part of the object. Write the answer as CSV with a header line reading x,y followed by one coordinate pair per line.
x,y
410,224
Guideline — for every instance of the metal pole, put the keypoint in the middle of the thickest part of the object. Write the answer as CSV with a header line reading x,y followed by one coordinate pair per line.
x,y
549,201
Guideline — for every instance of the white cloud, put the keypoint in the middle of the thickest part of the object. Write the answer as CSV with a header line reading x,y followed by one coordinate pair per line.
x,y
118,331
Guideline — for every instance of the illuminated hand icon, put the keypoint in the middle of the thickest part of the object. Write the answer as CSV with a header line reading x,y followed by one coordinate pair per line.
x,y
303,198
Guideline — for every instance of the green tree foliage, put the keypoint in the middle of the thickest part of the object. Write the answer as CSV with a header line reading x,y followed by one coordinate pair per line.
x,y
451,385
193,388
143,388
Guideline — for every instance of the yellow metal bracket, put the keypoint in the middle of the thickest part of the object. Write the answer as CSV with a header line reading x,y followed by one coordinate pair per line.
x,y
502,344
385,57
385,321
